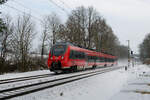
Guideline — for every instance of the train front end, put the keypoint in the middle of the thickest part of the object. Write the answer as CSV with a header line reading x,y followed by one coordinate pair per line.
x,y
57,58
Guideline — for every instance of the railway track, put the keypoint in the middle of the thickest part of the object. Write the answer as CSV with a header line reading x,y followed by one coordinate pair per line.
x,y
24,78
26,89
12,80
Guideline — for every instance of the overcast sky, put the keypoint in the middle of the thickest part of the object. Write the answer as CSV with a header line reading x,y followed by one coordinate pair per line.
x,y
129,19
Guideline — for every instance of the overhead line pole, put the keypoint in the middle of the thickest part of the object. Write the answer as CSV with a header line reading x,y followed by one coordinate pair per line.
x,y
128,53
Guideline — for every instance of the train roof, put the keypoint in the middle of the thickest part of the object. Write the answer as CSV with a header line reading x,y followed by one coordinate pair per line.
x,y
63,43
88,51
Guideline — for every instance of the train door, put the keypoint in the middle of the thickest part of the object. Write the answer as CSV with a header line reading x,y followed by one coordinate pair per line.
x,y
86,61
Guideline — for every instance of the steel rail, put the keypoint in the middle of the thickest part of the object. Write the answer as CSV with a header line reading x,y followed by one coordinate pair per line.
x,y
24,78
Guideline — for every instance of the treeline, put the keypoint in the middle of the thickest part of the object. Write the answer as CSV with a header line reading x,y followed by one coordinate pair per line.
x,y
87,28
84,27
145,49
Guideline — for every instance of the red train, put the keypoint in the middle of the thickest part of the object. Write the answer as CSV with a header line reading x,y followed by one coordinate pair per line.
x,y
67,57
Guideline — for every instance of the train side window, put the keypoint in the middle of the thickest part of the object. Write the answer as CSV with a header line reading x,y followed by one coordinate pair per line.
x,y
108,59
80,55
89,58
71,54
76,55
83,56
105,60
101,59
112,60
97,59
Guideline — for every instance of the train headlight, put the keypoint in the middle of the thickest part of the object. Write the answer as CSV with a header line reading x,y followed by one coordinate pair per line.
x,y
62,57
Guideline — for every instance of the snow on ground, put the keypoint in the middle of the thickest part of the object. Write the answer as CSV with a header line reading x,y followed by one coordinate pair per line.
x,y
137,87
100,87
114,85
122,62
133,84
50,77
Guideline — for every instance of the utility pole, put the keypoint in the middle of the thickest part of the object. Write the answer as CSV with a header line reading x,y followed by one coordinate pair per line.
x,y
128,53
132,56
100,42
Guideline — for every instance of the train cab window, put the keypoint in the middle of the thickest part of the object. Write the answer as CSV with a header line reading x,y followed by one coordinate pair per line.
x,y
58,50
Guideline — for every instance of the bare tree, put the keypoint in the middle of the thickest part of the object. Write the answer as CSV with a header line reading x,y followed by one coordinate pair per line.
x,y
2,25
6,37
24,32
81,26
45,36
50,28
85,27
62,33
145,49
53,25
93,16
76,27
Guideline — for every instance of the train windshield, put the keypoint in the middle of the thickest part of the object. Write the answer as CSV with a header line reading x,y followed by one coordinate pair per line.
x,y
58,50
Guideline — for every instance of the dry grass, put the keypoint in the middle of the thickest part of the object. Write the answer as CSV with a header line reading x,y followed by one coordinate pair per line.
x,y
144,75
142,92
148,84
